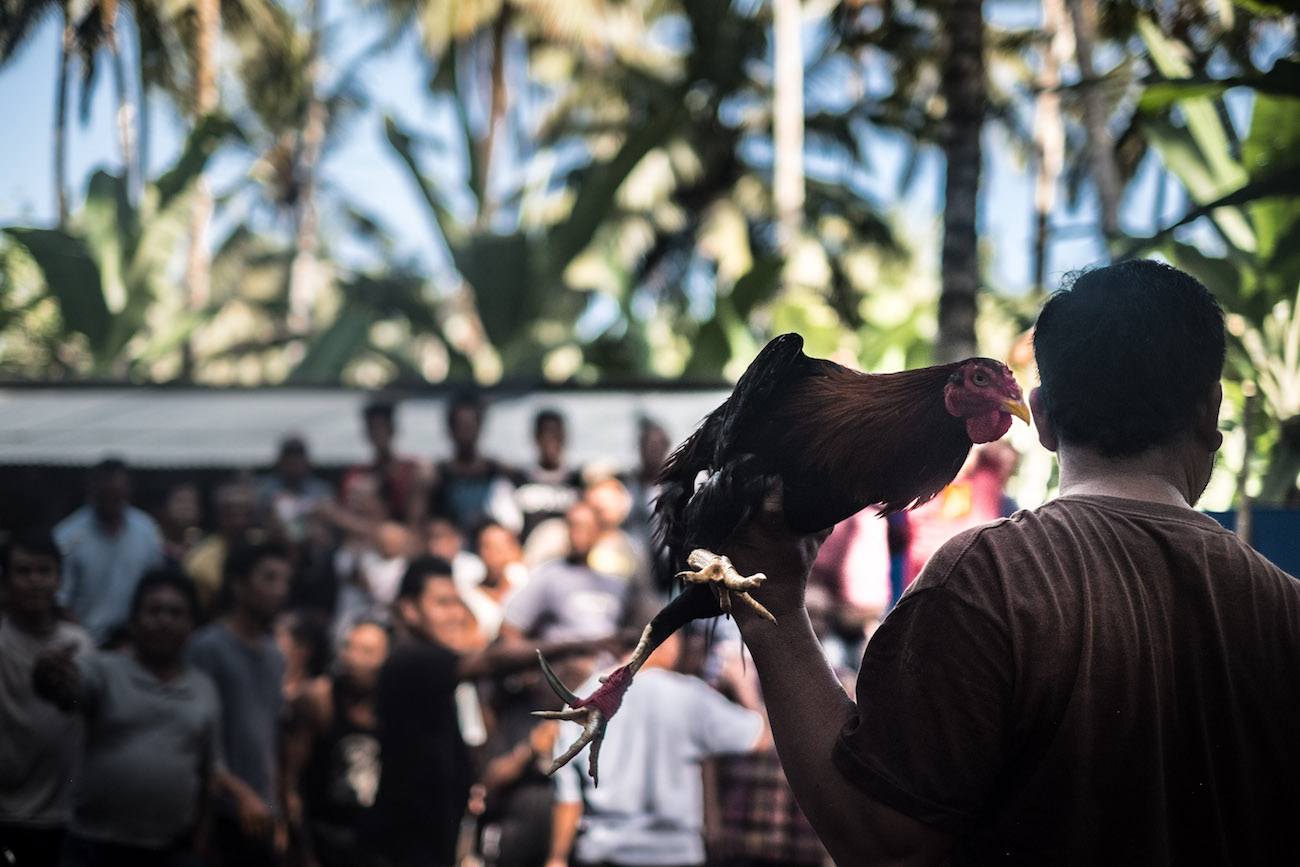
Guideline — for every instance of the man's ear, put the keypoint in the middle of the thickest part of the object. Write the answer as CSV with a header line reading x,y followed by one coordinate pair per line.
x,y
406,611
1207,420
1042,423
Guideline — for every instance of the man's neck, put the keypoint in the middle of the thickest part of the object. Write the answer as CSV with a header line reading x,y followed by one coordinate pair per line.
x,y
37,625
1152,479
245,626
110,524
161,667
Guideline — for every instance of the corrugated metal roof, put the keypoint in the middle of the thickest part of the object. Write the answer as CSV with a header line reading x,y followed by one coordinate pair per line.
x,y
178,427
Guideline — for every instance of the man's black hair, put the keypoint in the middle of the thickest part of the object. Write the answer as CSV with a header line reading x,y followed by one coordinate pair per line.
x,y
1127,354
32,540
311,630
465,400
418,574
645,424
166,576
241,560
476,533
293,445
109,466
379,409
545,417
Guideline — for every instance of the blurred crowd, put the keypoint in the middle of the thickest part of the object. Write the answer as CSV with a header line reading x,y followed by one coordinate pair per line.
x,y
301,673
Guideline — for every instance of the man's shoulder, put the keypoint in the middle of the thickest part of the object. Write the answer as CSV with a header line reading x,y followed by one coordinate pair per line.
x,y
140,521
203,686
65,530
417,660
211,640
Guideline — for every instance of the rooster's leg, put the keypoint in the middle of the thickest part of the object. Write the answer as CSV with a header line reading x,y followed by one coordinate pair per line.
x,y
593,712
713,568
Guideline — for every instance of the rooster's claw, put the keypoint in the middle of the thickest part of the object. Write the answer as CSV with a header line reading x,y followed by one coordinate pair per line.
x,y
717,569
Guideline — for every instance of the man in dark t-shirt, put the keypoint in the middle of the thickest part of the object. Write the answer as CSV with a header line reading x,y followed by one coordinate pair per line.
x,y
425,771
1108,679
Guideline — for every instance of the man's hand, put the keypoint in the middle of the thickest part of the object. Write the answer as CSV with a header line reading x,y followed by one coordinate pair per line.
x,y
254,815
56,678
766,543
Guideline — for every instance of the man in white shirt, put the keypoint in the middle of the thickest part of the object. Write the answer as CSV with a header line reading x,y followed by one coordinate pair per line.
x,y
107,545
649,811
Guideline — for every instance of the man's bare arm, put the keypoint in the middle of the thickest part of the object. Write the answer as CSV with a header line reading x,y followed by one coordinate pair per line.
x,y
807,708
513,653
564,828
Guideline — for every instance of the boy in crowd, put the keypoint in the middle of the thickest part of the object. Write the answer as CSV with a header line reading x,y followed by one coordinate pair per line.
x,y
239,653
425,777
151,725
38,742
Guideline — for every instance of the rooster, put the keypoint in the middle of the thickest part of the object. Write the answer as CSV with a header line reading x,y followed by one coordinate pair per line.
x,y
838,440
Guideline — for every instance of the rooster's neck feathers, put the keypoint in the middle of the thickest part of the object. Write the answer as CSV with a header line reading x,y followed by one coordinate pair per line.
x,y
887,436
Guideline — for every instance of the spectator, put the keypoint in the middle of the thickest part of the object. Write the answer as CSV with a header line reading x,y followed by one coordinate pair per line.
x,y
649,807
414,822
373,577
332,749
107,545
288,496
395,478
470,488
239,653
616,552
567,599
853,568
975,497
303,637
38,743
236,508
503,575
642,483
550,486
151,742
443,539
178,521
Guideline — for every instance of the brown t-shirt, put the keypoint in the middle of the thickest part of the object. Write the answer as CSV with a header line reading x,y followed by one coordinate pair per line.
x,y
1098,681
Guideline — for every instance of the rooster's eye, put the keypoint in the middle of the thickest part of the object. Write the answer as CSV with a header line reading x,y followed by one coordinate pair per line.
x,y
980,378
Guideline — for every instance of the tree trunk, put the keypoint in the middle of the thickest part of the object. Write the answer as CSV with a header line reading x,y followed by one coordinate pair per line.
x,y
125,121
61,123
1101,145
1049,133
142,129
496,113
787,120
304,273
963,87
197,263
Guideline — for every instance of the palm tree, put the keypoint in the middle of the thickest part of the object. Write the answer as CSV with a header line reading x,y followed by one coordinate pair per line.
x,y
964,90
1101,145
787,119
18,20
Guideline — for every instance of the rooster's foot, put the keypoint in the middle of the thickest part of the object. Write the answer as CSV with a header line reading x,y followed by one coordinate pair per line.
x,y
594,711
713,568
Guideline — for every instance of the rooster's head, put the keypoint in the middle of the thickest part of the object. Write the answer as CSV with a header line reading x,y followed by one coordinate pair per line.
x,y
983,393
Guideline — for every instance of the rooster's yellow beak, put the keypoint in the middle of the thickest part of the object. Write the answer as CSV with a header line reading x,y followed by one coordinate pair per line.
x,y
1019,409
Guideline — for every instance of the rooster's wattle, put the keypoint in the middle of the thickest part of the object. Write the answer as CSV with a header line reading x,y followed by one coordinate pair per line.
x,y
839,440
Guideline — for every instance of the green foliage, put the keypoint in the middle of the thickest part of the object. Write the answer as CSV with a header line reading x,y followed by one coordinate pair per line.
x,y
108,270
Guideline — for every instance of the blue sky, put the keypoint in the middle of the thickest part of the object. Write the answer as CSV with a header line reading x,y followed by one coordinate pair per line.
x,y
364,169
